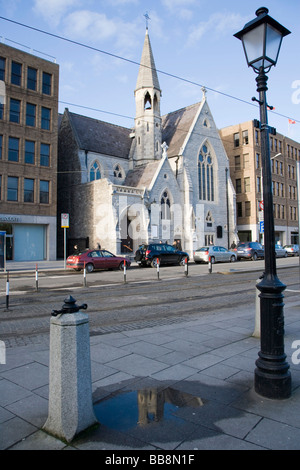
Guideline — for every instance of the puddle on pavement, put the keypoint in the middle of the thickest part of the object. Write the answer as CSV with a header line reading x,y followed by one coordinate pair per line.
x,y
143,407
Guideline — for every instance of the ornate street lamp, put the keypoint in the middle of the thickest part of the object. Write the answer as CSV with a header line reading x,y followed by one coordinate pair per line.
x,y
261,40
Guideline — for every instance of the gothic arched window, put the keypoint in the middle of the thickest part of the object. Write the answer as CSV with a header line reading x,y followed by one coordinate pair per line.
x,y
165,206
147,101
205,175
118,173
95,173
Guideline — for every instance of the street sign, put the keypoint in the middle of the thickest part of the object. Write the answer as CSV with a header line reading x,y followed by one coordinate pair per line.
x,y
261,227
64,220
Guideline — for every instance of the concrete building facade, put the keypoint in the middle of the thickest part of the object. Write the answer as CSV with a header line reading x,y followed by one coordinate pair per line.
x,y
243,147
28,154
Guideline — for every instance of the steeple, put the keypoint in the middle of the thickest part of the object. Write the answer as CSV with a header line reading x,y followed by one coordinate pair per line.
x,y
147,119
147,77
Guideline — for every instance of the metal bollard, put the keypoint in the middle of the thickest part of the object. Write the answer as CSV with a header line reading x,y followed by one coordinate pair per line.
x,y
36,278
186,267
124,271
84,276
7,290
209,265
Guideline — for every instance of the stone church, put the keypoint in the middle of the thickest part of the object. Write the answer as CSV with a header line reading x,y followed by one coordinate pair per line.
x,y
166,179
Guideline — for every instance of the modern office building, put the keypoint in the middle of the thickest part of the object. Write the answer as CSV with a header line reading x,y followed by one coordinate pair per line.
x,y
243,147
28,154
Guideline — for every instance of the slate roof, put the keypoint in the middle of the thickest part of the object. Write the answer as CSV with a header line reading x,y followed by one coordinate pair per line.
x,y
142,175
108,139
101,137
175,127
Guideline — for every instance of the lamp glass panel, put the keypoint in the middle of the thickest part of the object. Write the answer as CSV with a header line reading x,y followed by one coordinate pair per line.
x,y
273,42
253,43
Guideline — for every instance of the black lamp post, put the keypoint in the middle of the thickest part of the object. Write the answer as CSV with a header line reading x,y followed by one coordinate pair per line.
x,y
261,40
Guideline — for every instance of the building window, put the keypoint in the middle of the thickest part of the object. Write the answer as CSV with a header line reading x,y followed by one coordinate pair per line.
x,y
258,184
257,159
46,118
1,144
165,206
16,73
2,68
247,208
118,172
245,138
30,114
256,137
239,209
238,186
44,192
31,78
45,155
28,190
29,152
237,162
236,139
14,112
12,188
0,187
13,149
95,173
205,175
47,78
246,160
247,185
1,110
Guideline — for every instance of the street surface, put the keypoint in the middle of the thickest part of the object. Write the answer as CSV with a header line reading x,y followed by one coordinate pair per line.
x,y
143,298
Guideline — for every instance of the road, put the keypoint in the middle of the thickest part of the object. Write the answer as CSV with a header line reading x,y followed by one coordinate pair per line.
x,y
147,297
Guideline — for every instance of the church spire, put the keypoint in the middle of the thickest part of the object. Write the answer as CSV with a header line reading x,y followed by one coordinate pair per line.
x,y
147,77
148,132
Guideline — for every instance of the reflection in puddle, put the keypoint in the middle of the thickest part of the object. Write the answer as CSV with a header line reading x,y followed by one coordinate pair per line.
x,y
143,407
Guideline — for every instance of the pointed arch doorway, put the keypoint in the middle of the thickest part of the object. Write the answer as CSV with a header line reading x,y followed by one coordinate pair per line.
x,y
126,240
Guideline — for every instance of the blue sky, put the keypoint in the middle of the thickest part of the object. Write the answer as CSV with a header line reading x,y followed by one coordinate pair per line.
x,y
191,39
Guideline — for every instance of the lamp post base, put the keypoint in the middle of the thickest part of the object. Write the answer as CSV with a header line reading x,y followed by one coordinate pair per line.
x,y
272,385
272,375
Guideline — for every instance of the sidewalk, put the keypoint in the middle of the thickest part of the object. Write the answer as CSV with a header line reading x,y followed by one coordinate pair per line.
x,y
199,373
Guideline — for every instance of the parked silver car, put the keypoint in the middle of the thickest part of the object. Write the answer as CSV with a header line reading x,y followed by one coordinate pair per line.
x,y
280,252
215,253
292,250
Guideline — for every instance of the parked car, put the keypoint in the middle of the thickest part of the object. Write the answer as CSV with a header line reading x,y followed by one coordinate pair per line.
x,y
162,253
215,253
250,250
292,250
96,259
280,252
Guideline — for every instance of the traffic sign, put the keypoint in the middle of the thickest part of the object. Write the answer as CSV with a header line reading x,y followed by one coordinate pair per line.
x,y
64,220
261,227
261,205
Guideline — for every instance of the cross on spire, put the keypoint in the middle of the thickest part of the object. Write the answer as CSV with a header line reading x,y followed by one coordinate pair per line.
x,y
147,19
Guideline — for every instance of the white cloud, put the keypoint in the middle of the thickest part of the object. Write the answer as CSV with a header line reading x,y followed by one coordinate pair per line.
x,y
218,24
88,24
53,10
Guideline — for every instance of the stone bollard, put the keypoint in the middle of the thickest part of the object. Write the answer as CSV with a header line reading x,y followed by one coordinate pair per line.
x,y
70,385
256,332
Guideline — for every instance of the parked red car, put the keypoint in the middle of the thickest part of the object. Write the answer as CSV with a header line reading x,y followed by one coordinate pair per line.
x,y
96,259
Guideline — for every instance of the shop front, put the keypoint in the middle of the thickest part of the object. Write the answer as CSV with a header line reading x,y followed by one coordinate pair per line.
x,y
29,238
